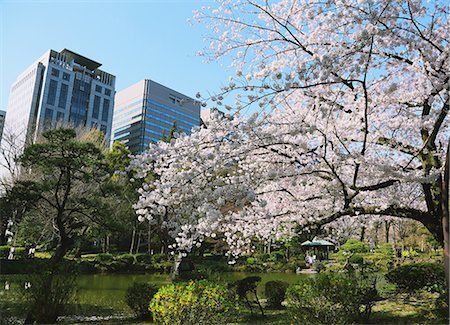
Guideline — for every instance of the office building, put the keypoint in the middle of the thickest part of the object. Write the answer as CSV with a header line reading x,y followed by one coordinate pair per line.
x,y
2,123
60,88
147,110
208,114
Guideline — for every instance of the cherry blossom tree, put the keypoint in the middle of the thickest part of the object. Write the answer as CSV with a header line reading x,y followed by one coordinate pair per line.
x,y
351,101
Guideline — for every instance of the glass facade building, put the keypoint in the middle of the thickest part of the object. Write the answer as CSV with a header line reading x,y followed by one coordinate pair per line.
x,y
147,110
60,88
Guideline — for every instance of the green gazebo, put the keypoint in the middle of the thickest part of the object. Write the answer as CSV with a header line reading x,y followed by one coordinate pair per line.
x,y
319,246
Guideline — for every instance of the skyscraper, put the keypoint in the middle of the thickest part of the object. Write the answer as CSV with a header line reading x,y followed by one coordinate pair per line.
x,y
60,88
147,110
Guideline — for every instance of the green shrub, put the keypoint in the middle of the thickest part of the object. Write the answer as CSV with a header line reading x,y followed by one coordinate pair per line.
x,y
161,262
355,246
381,259
277,256
50,292
356,259
244,288
251,260
138,297
410,253
413,277
307,305
385,250
20,252
275,293
332,298
319,267
104,258
126,259
190,303
144,258
4,252
252,264
159,258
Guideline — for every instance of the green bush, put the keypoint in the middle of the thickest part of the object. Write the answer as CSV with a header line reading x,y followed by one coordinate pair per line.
x,y
277,256
307,304
50,292
413,277
319,267
104,258
161,262
332,298
144,258
275,292
20,252
244,288
138,297
410,253
355,246
385,250
194,302
251,260
126,259
356,259
4,252
159,258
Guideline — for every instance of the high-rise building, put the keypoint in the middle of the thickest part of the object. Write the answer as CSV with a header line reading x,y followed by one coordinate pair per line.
x,y
2,123
147,110
60,88
208,114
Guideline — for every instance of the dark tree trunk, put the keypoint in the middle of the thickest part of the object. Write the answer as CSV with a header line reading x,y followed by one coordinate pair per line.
x,y
363,233
387,227
377,227
149,246
445,216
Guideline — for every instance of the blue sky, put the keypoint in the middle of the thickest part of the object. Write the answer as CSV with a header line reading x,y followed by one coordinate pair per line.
x,y
132,39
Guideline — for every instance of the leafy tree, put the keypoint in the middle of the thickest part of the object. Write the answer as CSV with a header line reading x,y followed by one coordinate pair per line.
x,y
67,185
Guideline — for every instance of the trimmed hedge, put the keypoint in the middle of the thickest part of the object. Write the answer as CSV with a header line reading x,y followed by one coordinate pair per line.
x,y
194,302
413,277
275,292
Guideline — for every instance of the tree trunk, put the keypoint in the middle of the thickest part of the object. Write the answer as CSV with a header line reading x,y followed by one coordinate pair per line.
x,y
138,243
387,226
107,243
149,239
133,235
445,216
363,232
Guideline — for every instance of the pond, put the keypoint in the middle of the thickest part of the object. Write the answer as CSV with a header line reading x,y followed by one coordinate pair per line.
x,y
104,294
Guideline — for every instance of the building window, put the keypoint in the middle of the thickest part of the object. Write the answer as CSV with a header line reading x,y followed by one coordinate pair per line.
x,y
55,72
48,117
107,92
175,99
98,88
59,117
52,92
63,95
103,128
96,109
66,76
105,111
